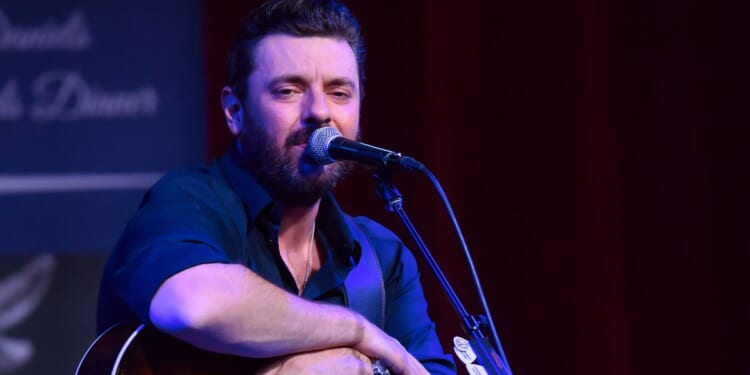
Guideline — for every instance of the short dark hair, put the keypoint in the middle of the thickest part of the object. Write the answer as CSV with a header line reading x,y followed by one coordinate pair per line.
x,y
328,18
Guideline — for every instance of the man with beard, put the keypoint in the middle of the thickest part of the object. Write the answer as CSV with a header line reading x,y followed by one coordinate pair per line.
x,y
251,255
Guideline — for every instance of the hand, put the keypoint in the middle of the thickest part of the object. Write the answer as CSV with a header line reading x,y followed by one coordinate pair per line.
x,y
377,344
327,361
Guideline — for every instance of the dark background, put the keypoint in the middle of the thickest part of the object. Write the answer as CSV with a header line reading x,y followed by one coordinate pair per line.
x,y
594,152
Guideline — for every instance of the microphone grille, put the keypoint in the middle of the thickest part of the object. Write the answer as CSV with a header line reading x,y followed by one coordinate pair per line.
x,y
317,145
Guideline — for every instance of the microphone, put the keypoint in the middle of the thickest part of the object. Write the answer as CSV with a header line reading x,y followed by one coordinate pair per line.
x,y
326,145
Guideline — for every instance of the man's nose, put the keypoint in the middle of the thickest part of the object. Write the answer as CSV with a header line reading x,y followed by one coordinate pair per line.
x,y
317,109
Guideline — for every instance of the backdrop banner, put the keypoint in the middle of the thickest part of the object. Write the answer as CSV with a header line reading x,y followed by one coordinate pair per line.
x,y
97,101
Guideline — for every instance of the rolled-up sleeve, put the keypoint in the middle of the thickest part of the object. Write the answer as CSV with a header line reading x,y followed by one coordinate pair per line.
x,y
181,224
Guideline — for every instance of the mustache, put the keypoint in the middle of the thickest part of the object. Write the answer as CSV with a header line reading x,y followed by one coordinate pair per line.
x,y
300,136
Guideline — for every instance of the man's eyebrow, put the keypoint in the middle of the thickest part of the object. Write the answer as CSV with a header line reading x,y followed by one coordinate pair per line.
x,y
342,81
300,80
288,78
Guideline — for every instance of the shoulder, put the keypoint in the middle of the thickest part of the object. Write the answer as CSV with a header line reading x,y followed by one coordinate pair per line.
x,y
394,256
187,201
194,181
196,186
374,230
187,206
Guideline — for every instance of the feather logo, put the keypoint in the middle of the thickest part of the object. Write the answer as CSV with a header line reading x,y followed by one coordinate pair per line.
x,y
20,294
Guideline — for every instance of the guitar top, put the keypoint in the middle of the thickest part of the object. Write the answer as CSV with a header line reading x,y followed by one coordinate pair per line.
x,y
143,350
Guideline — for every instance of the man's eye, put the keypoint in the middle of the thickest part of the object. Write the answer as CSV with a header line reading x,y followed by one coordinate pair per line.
x,y
341,94
284,92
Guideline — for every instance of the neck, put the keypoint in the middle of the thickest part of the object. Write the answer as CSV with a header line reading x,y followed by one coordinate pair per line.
x,y
296,226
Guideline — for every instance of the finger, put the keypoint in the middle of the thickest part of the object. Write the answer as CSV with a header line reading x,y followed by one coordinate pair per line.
x,y
395,368
415,367
364,363
365,359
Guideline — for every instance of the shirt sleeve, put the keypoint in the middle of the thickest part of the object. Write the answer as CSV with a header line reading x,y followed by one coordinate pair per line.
x,y
180,224
406,317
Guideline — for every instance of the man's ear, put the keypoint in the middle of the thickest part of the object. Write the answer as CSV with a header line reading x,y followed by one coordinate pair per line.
x,y
232,107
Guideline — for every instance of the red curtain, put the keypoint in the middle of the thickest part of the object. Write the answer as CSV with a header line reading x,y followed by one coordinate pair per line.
x,y
594,154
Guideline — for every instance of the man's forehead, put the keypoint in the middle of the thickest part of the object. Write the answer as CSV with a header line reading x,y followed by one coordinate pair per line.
x,y
281,54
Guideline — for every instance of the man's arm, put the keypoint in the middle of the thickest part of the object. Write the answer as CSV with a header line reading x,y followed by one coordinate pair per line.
x,y
171,268
209,307
327,361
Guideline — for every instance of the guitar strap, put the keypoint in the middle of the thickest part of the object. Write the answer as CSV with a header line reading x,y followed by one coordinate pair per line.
x,y
364,289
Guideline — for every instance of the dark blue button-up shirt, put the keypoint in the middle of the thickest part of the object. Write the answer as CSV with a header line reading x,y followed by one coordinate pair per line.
x,y
222,214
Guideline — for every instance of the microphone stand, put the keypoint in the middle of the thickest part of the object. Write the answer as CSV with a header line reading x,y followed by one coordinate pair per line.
x,y
487,357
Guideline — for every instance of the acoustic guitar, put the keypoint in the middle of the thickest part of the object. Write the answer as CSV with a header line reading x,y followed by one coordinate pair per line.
x,y
144,350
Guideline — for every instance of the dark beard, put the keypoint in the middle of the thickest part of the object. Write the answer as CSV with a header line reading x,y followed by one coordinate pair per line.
x,y
295,182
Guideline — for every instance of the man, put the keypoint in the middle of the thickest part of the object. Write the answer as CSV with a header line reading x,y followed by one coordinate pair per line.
x,y
251,256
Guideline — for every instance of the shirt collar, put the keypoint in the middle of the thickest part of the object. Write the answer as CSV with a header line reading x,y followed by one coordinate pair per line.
x,y
336,224
331,219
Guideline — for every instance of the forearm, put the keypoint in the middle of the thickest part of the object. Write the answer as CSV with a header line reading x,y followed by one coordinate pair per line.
x,y
327,361
229,309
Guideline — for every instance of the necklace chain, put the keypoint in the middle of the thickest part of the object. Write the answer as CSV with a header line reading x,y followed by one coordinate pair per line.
x,y
308,266
308,262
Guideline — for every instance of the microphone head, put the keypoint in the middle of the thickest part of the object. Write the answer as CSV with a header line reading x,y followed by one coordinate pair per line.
x,y
317,144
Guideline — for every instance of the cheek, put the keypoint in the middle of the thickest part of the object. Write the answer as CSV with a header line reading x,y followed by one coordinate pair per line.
x,y
348,122
277,120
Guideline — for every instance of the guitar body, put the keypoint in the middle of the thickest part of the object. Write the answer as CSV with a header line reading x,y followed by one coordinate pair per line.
x,y
143,350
